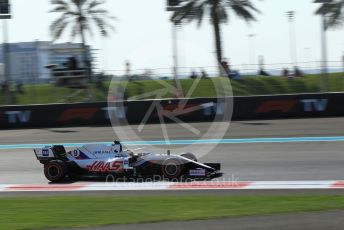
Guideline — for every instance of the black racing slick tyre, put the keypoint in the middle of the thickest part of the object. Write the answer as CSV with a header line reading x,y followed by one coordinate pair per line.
x,y
189,156
55,171
172,168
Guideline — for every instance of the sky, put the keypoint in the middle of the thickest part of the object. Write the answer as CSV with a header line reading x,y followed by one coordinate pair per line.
x,y
144,35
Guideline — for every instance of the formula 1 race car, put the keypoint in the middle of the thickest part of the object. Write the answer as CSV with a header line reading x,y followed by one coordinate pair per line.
x,y
98,160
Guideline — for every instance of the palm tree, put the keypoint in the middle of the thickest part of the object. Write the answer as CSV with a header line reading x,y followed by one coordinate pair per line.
x,y
332,10
80,15
218,11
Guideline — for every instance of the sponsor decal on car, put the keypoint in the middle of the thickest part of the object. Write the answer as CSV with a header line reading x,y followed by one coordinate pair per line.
x,y
101,166
76,153
45,152
102,152
197,172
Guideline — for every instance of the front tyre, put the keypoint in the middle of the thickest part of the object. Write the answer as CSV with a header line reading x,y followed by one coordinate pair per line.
x,y
55,171
172,168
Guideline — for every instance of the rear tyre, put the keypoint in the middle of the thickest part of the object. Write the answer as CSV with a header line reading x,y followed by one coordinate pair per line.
x,y
172,168
55,171
190,156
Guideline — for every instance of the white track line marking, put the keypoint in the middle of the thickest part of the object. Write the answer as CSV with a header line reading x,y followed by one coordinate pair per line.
x,y
188,142
161,186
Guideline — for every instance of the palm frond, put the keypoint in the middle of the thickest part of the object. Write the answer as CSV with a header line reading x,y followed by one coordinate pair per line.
x,y
186,13
59,9
88,29
199,13
325,8
94,4
80,13
57,22
243,9
197,9
333,12
58,28
59,2
79,3
75,31
245,4
103,26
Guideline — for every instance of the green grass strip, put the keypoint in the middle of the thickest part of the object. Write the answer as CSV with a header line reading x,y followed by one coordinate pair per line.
x,y
215,87
63,212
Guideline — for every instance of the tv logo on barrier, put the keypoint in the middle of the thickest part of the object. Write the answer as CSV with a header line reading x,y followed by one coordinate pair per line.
x,y
285,106
318,105
14,117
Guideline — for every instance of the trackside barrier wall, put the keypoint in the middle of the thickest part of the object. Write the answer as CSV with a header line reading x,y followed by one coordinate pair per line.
x,y
194,110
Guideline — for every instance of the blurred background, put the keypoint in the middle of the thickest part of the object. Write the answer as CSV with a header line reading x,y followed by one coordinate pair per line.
x,y
272,47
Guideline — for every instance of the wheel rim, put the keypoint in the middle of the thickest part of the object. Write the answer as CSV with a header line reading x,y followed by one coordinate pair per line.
x,y
171,169
53,171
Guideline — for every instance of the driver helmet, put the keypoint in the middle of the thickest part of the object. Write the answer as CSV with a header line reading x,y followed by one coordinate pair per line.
x,y
117,147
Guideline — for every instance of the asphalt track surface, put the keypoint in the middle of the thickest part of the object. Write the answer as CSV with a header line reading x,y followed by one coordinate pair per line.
x,y
245,129
248,161
244,162
240,162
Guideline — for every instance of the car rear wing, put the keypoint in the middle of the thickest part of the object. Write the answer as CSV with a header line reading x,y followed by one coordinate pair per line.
x,y
50,152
